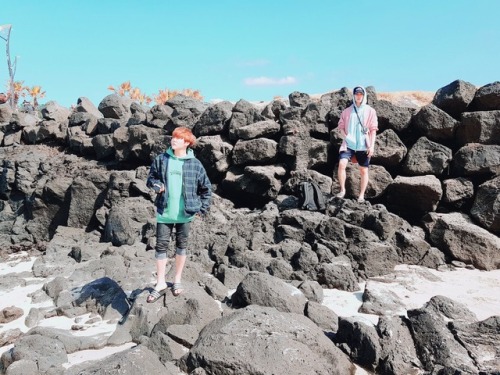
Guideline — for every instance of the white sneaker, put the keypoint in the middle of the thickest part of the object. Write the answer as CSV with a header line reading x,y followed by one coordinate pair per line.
x,y
361,200
341,194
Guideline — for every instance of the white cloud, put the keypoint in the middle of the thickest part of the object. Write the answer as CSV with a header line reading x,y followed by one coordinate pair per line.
x,y
269,81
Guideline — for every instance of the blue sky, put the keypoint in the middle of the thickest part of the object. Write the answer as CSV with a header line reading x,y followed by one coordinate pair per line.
x,y
253,50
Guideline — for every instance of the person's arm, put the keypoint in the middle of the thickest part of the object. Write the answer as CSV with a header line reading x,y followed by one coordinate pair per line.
x,y
341,127
373,127
371,147
154,179
204,190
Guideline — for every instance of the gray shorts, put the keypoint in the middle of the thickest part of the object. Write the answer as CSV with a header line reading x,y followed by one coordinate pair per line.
x,y
163,234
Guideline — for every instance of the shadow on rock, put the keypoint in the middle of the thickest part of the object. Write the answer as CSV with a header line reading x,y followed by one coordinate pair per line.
x,y
102,294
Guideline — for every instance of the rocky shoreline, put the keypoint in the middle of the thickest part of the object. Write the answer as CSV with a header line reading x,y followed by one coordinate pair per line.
x,y
73,195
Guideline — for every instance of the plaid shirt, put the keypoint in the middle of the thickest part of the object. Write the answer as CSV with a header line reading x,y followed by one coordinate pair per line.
x,y
197,189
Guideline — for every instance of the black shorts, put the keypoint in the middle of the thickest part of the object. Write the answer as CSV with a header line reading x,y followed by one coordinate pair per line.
x,y
361,157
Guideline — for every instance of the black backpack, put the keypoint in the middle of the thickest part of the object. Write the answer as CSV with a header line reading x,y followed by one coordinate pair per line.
x,y
311,197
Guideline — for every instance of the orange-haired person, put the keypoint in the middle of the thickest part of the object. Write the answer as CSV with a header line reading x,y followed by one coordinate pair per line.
x,y
183,192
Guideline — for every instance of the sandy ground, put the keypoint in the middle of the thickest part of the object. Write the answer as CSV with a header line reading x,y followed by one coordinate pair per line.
x,y
19,297
478,290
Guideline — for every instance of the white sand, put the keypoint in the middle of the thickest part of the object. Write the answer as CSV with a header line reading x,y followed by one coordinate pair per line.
x,y
93,355
347,304
18,297
478,290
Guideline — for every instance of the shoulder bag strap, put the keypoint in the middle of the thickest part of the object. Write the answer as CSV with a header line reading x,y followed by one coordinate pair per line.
x,y
365,130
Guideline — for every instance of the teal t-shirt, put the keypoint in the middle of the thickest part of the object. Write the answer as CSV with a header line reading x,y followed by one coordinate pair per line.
x,y
174,212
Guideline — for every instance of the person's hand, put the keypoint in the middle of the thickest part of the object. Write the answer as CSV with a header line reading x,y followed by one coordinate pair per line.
x,y
160,189
370,151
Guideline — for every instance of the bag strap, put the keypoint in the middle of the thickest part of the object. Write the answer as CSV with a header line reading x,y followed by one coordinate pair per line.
x,y
365,130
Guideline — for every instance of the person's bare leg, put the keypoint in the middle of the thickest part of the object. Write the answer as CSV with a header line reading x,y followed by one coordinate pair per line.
x,y
341,174
161,265
180,261
364,182
161,285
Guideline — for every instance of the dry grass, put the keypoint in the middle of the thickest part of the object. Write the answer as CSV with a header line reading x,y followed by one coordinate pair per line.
x,y
412,99
407,98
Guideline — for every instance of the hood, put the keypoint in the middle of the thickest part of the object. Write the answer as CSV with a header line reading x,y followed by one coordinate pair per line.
x,y
189,155
365,97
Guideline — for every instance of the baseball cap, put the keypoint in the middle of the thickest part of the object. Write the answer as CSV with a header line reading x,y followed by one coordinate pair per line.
x,y
358,90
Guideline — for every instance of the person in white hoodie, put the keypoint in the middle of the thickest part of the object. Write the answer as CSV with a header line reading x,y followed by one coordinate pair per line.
x,y
358,126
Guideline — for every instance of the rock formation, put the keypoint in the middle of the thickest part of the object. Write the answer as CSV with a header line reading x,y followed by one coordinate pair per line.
x,y
73,193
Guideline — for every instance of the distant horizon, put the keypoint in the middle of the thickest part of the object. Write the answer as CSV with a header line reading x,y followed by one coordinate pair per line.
x,y
218,100
314,96
418,98
249,50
